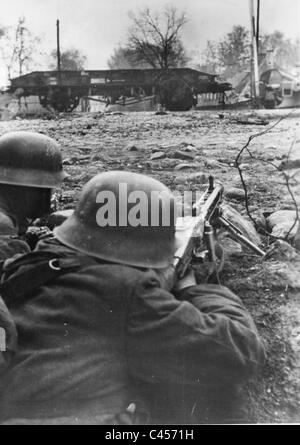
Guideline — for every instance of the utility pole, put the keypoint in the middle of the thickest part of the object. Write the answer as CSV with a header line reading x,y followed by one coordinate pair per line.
x,y
58,47
254,62
257,25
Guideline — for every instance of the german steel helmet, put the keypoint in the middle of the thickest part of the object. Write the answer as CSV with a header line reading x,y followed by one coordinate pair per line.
x,y
30,160
139,229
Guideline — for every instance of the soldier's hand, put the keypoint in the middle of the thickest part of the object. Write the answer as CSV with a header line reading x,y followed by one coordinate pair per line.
x,y
53,220
187,281
167,277
35,234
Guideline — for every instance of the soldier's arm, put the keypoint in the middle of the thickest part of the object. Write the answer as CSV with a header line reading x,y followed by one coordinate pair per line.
x,y
207,332
12,245
8,336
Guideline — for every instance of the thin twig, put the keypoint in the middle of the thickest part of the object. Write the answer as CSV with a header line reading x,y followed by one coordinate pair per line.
x,y
237,164
297,219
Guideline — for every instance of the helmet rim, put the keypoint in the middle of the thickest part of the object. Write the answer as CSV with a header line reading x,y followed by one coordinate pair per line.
x,y
31,178
30,159
73,234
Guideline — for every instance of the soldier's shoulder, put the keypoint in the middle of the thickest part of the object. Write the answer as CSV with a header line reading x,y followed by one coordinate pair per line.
x,y
116,273
7,226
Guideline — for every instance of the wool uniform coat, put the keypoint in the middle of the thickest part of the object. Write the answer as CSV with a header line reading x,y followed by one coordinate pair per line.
x,y
10,242
10,245
95,341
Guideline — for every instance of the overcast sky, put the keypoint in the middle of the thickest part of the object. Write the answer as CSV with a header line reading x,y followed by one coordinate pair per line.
x,y
96,27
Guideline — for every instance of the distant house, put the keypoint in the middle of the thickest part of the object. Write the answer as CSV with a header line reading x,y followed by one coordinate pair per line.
x,y
279,89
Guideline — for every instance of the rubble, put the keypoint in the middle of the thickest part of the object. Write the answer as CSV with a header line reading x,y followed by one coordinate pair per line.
x,y
260,220
229,246
212,163
132,148
283,251
241,222
187,166
279,275
158,155
183,155
189,148
251,121
281,222
199,177
169,163
244,166
181,180
297,239
156,149
289,165
234,193
67,161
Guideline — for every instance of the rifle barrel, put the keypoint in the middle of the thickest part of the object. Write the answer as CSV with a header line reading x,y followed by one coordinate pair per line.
x,y
243,239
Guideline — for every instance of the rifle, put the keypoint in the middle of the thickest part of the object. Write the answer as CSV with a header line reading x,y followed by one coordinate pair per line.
x,y
200,243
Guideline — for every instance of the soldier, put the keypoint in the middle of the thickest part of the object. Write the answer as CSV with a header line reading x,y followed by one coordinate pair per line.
x,y
106,333
8,337
30,166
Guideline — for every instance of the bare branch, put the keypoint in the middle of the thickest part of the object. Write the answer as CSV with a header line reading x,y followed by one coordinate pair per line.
x,y
155,38
19,49
237,165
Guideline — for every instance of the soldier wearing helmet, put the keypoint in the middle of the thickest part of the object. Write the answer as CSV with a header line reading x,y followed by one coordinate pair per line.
x,y
107,333
30,166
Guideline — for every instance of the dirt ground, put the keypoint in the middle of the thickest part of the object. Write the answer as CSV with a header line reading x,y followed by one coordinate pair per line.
x,y
182,150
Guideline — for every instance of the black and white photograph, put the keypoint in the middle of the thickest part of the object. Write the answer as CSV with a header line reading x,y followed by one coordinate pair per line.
x,y
149,215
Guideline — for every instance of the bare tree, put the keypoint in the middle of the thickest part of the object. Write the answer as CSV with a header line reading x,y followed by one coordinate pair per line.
x,y
206,60
125,58
234,50
71,59
287,52
155,38
232,54
18,48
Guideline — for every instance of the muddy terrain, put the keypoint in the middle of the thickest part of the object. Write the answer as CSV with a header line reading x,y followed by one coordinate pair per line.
x,y
182,150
